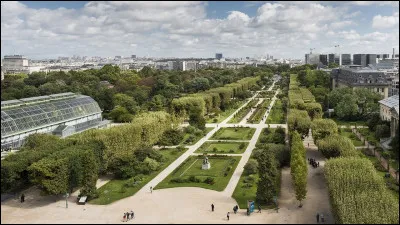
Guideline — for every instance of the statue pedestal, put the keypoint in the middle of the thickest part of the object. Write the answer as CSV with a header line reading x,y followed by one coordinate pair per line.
x,y
206,166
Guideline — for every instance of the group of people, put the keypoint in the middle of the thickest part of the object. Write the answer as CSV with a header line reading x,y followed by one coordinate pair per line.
x,y
312,162
128,216
235,210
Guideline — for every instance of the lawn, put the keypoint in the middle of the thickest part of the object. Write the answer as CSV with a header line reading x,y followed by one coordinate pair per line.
x,y
194,140
276,116
117,189
346,132
223,115
246,189
223,147
234,133
348,123
190,174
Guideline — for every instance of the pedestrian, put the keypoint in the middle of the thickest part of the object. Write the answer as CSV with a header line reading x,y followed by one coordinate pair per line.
x,y
234,209
132,214
259,208
124,218
22,198
212,207
322,218
317,217
308,144
151,189
318,164
227,215
248,212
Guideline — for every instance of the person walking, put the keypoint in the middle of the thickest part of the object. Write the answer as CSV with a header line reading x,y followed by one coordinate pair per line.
x,y
308,144
151,189
259,208
212,207
322,218
22,198
124,218
318,164
132,214
317,217
227,215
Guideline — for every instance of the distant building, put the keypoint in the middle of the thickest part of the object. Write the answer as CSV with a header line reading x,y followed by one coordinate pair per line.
x,y
394,121
218,55
133,56
312,59
188,65
386,105
323,59
331,58
15,64
371,59
372,79
360,59
346,59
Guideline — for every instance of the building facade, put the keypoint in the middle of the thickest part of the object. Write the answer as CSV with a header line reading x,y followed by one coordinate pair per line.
x,y
371,59
373,80
386,106
15,64
323,59
360,59
346,59
60,114
218,56
394,122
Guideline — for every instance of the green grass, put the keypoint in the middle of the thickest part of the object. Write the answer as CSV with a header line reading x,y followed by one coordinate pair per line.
x,y
353,137
348,123
247,191
276,116
111,191
222,147
192,167
187,135
223,115
231,133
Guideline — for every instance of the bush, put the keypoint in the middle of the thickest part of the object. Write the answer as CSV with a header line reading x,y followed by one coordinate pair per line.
x,y
209,180
242,145
171,137
194,179
251,167
231,151
225,174
335,146
215,120
228,168
190,129
178,180
382,131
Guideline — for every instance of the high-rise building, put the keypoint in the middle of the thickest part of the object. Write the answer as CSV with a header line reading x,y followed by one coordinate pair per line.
x,y
312,58
331,58
323,59
360,59
346,59
371,59
133,56
15,64
218,55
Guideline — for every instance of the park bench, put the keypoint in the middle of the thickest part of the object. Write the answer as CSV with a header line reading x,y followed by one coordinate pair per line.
x,y
82,200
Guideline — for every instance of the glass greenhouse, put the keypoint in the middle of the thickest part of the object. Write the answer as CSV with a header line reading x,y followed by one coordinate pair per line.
x,y
61,114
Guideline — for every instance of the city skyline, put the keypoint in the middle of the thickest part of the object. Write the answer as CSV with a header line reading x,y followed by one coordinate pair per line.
x,y
197,29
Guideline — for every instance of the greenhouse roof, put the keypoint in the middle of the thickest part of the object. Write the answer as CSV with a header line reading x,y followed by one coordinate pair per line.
x,y
32,113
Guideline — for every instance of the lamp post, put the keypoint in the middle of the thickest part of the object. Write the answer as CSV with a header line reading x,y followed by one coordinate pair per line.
x,y
66,199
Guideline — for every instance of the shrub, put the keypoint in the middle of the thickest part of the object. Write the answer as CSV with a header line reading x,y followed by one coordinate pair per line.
x,y
209,180
242,145
225,174
335,146
251,167
215,120
231,151
178,180
382,131
228,168
194,179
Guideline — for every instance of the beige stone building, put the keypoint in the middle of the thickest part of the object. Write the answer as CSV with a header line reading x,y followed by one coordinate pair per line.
x,y
386,106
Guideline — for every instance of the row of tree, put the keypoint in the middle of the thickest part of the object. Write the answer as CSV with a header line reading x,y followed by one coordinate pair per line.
x,y
298,166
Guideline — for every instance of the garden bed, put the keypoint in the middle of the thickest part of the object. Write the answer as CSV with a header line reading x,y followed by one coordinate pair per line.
x,y
234,133
223,147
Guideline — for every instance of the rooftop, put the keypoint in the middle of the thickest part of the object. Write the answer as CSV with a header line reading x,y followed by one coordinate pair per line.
x,y
390,102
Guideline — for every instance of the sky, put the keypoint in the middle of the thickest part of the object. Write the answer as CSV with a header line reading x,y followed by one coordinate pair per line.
x,y
283,29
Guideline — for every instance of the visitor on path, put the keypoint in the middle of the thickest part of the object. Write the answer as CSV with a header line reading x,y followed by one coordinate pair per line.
x,y
259,208
234,209
248,212
212,207
151,189
124,218
227,215
308,144
22,198
318,164
317,217
322,218
237,208
132,214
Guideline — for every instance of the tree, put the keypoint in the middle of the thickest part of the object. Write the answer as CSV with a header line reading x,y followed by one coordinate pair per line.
x,y
347,107
127,102
322,128
251,167
268,173
382,131
333,65
120,115
394,144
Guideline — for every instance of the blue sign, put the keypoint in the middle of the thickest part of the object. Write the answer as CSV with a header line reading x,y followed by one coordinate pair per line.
x,y
251,206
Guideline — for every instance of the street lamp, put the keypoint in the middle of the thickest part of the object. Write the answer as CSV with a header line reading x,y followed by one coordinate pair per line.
x,y
66,199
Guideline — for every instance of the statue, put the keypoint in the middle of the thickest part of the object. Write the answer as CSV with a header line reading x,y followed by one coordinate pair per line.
x,y
206,164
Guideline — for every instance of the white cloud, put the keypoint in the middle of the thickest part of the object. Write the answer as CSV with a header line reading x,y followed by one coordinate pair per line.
x,y
183,28
383,22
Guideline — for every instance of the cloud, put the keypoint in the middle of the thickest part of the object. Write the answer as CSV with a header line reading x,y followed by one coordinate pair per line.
x,y
183,28
383,22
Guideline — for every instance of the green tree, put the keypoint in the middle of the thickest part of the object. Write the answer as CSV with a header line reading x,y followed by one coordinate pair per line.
x,y
347,107
268,174
127,102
